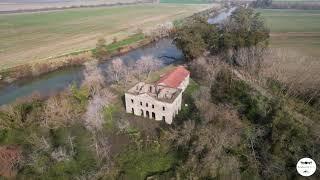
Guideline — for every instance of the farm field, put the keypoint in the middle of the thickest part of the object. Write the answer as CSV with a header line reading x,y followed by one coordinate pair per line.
x,y
14,5
297,29
32,36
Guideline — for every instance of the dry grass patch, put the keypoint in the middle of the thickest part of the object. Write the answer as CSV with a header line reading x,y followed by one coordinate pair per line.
x,y
37,36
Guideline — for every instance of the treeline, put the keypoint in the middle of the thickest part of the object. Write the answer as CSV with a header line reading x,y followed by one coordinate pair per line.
x,y
286,4
238,125
240,40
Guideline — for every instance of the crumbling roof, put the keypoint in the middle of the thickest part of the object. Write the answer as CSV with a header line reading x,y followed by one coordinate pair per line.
x,y
174,78
160,93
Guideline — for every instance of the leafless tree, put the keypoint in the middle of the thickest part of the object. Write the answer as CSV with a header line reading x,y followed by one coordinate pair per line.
x,y
102,147
147,64
160,31
93,77
94,117
58,112
10,158
117,70
205,69
298,73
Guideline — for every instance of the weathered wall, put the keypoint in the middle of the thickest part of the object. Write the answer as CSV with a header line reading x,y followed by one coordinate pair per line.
x,y
154,106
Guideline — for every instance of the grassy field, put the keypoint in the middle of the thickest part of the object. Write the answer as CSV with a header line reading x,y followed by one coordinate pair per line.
x,y
14,5
27,37
297,29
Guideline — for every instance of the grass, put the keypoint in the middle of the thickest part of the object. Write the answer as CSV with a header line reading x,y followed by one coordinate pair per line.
x,y
192,87
28,37
155,75
295,29
139,163
292,20
130,40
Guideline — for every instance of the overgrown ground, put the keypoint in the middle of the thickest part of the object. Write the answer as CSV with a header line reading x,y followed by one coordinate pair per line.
x,y
32,36
298,30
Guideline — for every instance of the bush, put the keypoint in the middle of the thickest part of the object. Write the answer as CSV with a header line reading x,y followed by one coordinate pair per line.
x,y
138,164
255,107
100,52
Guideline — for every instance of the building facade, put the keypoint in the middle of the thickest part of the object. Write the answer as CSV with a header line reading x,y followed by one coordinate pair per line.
x,y
160,101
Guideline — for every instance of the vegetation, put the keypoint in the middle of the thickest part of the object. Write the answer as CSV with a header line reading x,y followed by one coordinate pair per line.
x,y
34,37
295,30
233,124
101,51
241,40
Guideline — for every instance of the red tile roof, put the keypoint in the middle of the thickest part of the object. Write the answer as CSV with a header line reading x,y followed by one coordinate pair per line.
x,y
174,78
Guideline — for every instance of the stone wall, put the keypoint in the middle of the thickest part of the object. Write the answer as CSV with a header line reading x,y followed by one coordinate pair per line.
x,y
148,107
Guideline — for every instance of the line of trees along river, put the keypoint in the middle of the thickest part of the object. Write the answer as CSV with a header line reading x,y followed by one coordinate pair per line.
x,y
54,82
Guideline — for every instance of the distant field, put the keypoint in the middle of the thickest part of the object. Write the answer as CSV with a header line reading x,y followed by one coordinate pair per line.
x,y
14,5
298,29
187,1
31,36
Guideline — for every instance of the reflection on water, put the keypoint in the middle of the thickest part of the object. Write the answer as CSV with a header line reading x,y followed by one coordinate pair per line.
x,y
221,17
56,81
59,80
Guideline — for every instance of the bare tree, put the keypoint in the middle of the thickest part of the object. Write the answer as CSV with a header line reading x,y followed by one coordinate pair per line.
x,y
147,64
58,112
205,68
117,70
10,158
93,77
298,73
94,117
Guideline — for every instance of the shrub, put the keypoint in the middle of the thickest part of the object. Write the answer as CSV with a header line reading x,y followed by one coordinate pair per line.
x,y
138,164
100,52
251,104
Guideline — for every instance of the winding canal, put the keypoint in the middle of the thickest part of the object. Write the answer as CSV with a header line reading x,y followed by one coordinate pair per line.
x,y
57,81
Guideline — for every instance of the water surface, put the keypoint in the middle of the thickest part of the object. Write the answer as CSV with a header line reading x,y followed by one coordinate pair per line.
x,y
57,81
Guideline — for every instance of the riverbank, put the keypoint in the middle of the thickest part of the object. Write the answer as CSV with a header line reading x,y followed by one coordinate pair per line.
x,y
129,49
30,37
12,69
35,69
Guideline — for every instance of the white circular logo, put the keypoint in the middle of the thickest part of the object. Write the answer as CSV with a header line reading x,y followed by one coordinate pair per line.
x,y
306,167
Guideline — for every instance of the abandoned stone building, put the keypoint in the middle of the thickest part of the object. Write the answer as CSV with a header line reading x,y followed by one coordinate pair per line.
x,y
161,100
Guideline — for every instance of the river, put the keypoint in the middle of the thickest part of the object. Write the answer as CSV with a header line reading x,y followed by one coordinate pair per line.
x,y
222,16
56,81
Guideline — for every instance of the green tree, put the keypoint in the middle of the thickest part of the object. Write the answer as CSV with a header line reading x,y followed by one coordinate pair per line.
x,y
101,50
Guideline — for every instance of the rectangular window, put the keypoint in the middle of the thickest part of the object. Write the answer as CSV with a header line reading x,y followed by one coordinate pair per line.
x,y
164,108
147,104
132,100
152,106
141,103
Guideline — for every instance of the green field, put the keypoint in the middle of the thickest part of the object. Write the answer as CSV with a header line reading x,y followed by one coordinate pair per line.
x,y
292,20
187,1
297,29
27,37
